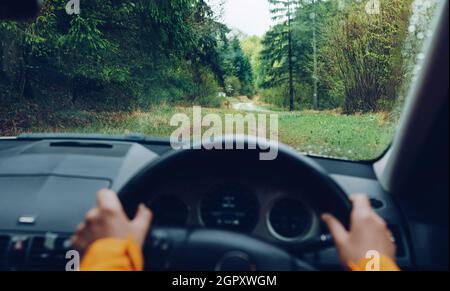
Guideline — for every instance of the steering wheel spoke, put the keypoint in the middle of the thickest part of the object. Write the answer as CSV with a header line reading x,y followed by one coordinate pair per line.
x,y
163,248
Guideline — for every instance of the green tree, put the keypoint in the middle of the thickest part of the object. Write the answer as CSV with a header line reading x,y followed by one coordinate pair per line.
x,y
252,48
243,68
236,65
312,16
284,11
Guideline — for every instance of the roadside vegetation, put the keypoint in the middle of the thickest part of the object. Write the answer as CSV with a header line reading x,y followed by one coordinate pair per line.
x,y
326,133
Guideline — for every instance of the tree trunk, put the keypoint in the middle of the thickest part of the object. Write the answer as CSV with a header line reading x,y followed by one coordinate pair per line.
x,y
291,77
315,96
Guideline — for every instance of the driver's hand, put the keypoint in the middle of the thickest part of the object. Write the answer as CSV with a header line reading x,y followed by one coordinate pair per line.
x,y
368,232
109,220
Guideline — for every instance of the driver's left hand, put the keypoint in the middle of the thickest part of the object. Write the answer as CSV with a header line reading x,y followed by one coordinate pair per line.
x,y
108,220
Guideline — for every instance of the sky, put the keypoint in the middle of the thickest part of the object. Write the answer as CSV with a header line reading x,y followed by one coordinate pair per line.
x,y
250,16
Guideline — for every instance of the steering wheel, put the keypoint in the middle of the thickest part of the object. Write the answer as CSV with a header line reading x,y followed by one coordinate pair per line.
x,y
210,249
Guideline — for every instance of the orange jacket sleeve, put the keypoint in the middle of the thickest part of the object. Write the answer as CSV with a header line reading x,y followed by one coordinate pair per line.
x,y
386,264
112,254
125,255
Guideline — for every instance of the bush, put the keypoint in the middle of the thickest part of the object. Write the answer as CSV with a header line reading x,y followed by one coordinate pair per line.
x,y
275,96
279,96
248,90
180,85
210,101
207,85
232,86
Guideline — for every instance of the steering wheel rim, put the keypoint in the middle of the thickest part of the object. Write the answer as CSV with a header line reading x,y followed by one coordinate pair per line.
x,y
133,192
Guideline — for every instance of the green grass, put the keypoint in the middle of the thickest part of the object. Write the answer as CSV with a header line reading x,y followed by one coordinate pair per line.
x,y
356,137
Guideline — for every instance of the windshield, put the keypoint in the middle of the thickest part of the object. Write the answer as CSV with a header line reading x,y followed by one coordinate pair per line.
x,y
333,73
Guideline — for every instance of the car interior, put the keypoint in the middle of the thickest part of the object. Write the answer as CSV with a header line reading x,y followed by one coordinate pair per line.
x,y
226,210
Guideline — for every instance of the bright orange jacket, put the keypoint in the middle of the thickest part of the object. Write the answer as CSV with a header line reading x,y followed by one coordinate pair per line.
x,y
111,254
125,255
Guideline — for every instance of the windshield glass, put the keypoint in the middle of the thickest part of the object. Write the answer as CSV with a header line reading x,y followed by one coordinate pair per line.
x,y
334,73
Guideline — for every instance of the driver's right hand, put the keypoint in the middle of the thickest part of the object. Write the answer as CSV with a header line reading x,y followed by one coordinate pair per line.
x,y
368,232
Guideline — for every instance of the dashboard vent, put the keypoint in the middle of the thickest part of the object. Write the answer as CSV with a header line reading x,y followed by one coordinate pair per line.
x,y
75,144
4,244
79,148
43,258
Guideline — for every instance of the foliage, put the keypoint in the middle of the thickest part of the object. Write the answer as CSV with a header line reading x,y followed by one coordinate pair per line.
x,y
232,86
127,49
252,49
362,55
275,55
243,68
360,66
237,69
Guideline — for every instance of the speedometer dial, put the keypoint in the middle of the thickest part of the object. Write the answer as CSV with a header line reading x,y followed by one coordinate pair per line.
x,y
231,208
289,218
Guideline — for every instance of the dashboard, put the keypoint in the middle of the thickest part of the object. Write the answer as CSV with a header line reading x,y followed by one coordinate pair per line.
x,y
48,183
268,213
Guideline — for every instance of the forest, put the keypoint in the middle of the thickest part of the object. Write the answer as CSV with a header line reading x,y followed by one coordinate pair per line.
x,y
118,60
